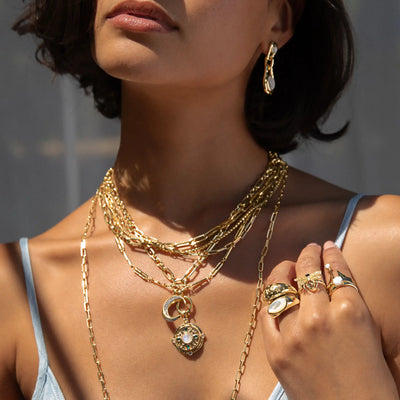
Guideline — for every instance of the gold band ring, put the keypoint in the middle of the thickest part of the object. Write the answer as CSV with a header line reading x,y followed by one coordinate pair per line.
x,y
339,281
310,282
282,304
276,290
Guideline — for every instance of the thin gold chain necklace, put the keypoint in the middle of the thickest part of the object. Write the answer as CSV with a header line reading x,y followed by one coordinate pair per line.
x,y
255,307
188,337
241,218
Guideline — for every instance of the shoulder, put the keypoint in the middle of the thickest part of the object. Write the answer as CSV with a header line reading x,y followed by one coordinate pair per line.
x,y
15,320
375,228
372,249
12,291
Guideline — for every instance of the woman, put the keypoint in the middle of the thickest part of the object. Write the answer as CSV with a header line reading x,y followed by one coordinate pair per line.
x,y
194,85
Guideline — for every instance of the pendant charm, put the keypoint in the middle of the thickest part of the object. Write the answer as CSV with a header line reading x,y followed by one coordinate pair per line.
x,y
166,306
188,338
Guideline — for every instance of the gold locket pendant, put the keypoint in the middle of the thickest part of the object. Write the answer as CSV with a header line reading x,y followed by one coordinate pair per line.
x,y
188,337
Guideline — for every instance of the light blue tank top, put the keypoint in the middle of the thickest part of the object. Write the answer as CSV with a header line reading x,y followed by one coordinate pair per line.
x,y
47,387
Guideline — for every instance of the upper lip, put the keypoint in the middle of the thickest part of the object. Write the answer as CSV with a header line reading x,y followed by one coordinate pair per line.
x,y
145,9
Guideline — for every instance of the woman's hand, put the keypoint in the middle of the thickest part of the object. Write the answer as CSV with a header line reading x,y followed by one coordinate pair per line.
x,y
325,348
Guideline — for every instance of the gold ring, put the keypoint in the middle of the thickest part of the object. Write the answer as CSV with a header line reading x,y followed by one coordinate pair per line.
x,y
339,281
276,290
282,304
310,282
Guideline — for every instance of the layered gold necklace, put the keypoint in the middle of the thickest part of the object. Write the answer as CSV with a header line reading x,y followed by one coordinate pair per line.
x,y
188,337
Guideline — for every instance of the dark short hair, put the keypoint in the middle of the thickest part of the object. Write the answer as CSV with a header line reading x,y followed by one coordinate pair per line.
x,y
311,70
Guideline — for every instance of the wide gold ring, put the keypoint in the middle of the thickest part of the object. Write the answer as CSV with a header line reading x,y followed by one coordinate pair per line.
x,y
276,290
282,304
339,281
310,282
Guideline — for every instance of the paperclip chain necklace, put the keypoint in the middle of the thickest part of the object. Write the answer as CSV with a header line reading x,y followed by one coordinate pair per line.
x,y
188,337
240,219
255,306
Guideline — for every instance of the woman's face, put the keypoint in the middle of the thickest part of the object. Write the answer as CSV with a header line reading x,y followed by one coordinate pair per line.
x,y
188,42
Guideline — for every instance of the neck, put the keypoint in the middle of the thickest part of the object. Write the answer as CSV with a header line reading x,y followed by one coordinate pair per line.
x,y
182,153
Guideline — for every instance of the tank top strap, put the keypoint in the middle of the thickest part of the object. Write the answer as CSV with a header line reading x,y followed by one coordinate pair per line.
x,y
37,327
347,219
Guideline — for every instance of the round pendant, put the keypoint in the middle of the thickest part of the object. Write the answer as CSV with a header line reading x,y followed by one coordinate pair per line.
x,y
188,338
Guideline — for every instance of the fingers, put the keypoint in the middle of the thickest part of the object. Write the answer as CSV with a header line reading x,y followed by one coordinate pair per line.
x,y
317,286
310,278
337,273
282,273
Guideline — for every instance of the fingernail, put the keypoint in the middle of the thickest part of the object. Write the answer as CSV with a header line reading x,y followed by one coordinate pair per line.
x,y
313,244
329,244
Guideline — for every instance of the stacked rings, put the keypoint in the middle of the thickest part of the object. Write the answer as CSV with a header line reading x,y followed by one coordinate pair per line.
x,y
280,297
337,282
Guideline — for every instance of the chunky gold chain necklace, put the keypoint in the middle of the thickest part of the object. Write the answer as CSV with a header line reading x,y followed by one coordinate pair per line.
x,y
188,337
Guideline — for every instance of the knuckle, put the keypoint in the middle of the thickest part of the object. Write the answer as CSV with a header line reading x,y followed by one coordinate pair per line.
x,y
278,273
296,343
316,322
334,257
279,360
350,311
307,262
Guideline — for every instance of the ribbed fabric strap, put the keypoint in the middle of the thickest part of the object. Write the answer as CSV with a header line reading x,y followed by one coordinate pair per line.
x,y
37,327
347,219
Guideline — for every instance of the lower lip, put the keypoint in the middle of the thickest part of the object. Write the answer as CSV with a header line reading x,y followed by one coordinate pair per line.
x,y
135,23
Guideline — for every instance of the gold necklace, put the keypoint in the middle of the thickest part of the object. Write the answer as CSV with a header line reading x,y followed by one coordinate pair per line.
x,y
184,334
188,337
240,219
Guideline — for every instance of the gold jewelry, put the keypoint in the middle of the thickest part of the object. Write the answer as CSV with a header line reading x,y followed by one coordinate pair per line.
x,y
282,304
310,282
339,281
238,224
189,332
239,221
269,78
276,290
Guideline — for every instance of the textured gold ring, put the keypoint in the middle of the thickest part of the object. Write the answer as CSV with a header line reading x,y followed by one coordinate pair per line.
x,y
339,281
310,282
279,289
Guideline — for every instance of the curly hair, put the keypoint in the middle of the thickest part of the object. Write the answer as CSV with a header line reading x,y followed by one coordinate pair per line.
x,y
312,69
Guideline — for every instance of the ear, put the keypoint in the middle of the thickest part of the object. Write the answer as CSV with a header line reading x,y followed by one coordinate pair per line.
x,y
285,14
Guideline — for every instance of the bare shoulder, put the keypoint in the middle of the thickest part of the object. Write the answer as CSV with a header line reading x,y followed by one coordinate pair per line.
x,y
18,349
375,232
372,249
14,316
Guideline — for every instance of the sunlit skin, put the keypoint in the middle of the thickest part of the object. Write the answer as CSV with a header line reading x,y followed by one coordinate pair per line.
x,y
186,159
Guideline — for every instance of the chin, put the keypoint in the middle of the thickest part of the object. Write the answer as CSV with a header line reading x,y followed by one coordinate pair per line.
x,y
130,61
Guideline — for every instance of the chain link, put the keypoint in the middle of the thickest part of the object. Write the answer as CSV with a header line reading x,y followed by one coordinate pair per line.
x,y
181,285
86,306
240,219
257,302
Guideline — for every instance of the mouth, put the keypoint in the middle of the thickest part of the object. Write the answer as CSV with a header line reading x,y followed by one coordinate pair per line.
x,y
141,16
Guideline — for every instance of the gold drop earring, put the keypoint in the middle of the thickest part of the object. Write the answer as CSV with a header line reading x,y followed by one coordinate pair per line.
x,y
269,79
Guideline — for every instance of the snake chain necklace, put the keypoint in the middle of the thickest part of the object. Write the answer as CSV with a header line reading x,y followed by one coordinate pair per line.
x,y
188,337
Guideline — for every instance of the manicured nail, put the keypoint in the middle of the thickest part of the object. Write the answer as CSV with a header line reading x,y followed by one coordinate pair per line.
x,y
329,244
313,244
